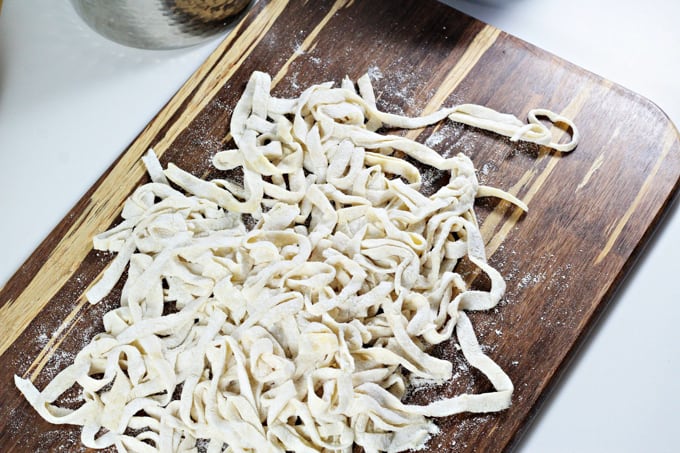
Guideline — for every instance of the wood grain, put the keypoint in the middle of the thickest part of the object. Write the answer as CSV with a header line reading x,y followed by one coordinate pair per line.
x,y
591,211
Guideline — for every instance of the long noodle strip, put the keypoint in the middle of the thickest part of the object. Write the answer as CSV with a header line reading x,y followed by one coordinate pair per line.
x,y
303,332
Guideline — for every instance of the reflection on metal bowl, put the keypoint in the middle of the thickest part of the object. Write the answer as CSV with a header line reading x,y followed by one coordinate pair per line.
x,y
160,24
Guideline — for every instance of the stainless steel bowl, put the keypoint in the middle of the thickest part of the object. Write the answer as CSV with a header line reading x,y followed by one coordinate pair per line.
x,y
160,24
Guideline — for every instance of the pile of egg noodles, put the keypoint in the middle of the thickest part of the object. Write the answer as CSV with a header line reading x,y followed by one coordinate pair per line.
x,y
303,330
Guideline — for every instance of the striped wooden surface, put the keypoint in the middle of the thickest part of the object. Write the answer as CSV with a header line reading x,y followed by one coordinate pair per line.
x,y
591,211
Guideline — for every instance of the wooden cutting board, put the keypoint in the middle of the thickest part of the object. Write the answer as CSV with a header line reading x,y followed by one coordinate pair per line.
x,y
591,211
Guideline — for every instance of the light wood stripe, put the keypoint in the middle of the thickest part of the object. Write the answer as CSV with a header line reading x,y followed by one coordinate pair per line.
x,y
473,53
597,163
486,37
669,140
495,217
57,338
308,42
104,205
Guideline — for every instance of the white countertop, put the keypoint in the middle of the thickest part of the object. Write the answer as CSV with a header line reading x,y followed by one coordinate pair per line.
x,y
70,103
